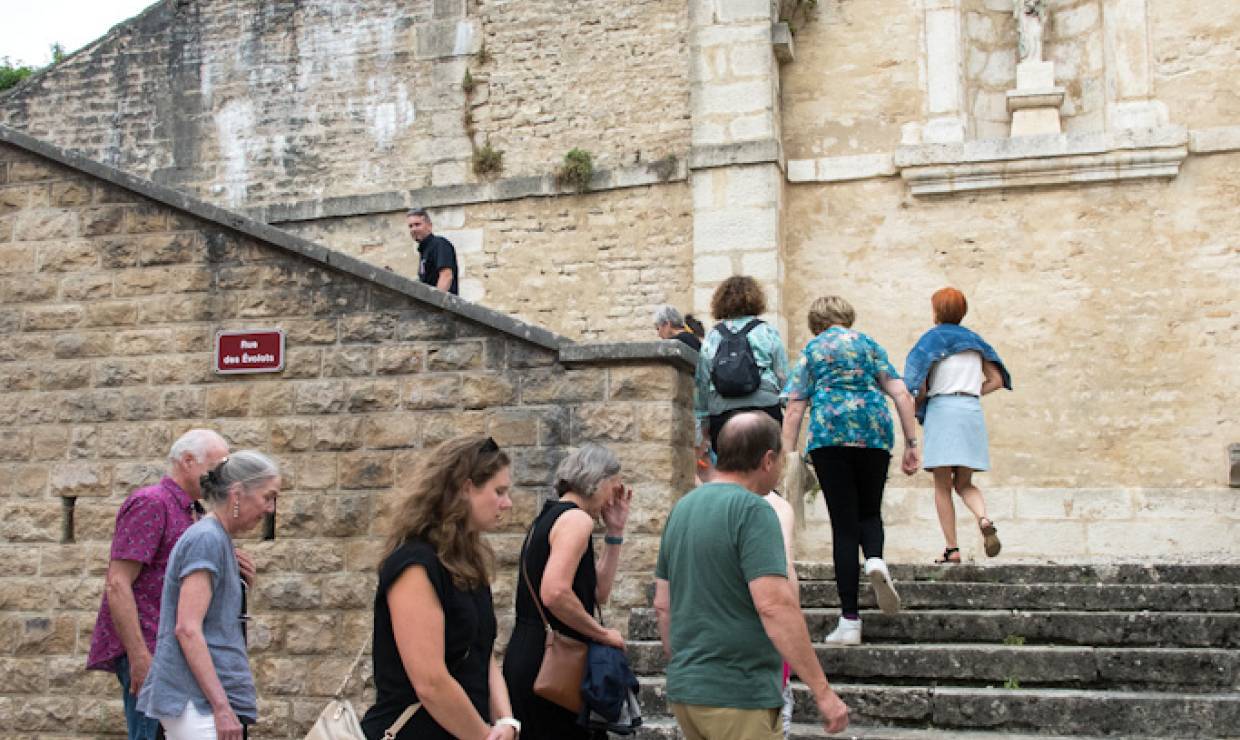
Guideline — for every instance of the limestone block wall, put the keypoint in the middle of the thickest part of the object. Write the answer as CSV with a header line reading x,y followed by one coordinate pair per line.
x,y
1194,53
587,266
111,290
257,103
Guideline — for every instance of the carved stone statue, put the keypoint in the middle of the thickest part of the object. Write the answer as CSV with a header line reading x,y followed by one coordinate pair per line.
x,y
1031,22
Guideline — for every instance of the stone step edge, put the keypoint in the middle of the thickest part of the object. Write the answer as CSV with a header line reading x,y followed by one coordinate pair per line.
x,y
1057,693
1031,647
649,611
879,732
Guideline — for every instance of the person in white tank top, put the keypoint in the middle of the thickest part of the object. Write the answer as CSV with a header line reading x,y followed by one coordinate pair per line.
x,y
956,443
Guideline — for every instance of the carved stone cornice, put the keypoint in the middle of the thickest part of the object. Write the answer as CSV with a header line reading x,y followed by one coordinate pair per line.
x,y
1037,161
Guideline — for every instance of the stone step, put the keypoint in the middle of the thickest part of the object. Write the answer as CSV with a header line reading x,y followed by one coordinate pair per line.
x,y
1159,597
1083,573
1041,596
665,728
1131,629
1193,669
1044,711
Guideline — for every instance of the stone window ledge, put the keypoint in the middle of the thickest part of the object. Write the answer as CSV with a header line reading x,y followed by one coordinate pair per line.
x,y
1035,161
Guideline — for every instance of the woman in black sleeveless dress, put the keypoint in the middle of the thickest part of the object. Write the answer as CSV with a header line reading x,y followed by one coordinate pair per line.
x,y
559,559
434,625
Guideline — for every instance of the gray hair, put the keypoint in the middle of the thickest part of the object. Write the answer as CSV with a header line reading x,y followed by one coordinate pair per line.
x,y
195,442
666,314
418,212
583,470
240,467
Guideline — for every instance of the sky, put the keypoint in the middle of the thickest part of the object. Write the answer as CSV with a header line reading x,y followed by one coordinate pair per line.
x,y
28,28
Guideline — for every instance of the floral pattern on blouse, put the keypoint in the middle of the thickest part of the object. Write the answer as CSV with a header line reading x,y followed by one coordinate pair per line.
x,y
840,373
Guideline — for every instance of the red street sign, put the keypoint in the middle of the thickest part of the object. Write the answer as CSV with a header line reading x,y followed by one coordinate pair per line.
x,y
254,351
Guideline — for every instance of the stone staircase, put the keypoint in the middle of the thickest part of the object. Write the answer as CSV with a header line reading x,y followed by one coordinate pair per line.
x,y
1016,651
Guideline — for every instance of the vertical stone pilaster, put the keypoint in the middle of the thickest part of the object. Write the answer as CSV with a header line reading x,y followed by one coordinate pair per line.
x,y
945,107
1129,70
736,173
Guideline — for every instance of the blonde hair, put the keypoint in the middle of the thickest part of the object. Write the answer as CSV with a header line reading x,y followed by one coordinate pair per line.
x,y
437,509
830,311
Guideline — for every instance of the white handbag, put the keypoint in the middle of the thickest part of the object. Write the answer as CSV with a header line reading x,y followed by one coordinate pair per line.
x,y
338,721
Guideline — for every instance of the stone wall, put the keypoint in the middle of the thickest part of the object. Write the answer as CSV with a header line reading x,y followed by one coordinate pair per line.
x,y
259,103
111,290
588,266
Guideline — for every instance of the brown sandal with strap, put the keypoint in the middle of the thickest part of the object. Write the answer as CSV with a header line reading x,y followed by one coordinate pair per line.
x,y
990,540
951,556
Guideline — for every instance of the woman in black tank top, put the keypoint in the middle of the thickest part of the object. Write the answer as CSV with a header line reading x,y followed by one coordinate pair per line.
x,y
559,559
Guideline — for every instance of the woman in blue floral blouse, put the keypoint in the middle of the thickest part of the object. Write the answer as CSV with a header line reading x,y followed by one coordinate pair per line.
x,y
845,379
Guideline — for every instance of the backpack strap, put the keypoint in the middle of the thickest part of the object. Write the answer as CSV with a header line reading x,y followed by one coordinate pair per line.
x,y
753,324
722,328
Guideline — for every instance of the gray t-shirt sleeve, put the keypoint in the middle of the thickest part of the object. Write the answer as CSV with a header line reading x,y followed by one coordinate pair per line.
x,y
202,549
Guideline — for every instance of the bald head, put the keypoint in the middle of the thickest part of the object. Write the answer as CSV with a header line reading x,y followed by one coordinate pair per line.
x,y
745,440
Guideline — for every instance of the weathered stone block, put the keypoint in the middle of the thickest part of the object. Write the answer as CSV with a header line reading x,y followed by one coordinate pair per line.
x,y
49,443
146,218
272,399
484,391
45,225
122,441
369,328
166,249
553,385
391,431
184,403
310,331
68,256
94,406
399,360
31,288
347,514
303,363
95,344
338,433
86,287
347,362
374,396
322,397
291,435
603,422
439,427
143,342
454,357
51,318
365,470
513,427
81,479
17,258
229,400
432,392
101,221
287,592
348,590
60,376
29,481
116,313
307,634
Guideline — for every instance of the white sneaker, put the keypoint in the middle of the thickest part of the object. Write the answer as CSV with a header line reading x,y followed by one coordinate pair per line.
x,y
880,581
847,632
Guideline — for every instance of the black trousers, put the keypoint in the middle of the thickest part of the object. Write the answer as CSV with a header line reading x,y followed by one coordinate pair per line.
x,y
717,421
852,480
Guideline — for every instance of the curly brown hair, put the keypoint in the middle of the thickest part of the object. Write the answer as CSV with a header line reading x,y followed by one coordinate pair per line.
x,y
437,510
739,295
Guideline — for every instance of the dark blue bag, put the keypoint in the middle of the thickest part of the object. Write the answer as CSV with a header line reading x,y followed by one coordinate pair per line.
x,y
609,692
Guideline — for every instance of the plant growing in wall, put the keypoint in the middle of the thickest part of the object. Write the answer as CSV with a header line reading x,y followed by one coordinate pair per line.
x,y
487,160
576,170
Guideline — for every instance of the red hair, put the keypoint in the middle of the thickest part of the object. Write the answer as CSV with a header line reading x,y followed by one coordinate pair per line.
x,y
949,306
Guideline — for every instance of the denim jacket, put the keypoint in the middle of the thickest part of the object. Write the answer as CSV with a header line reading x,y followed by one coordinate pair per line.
x,y
939,343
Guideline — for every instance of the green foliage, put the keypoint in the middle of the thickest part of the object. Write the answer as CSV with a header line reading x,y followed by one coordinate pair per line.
x,y
484,56
11,74
58,52
467,82
1014,640
1012,683
576,171
488,160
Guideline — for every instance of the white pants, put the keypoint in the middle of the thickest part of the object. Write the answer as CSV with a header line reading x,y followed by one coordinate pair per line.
x,y
191,725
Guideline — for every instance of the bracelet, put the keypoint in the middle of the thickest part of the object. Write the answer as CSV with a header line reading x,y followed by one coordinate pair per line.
x,y
510,722
613,539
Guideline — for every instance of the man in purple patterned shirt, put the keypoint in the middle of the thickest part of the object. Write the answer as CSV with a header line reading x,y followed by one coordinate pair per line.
x,y
149,523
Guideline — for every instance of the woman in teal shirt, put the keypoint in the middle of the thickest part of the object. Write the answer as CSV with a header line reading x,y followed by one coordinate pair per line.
x,y
844,378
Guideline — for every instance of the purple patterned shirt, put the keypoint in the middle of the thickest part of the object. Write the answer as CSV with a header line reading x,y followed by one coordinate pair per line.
x,y
148,524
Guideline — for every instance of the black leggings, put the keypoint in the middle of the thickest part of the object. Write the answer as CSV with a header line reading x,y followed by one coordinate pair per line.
x,y
852,480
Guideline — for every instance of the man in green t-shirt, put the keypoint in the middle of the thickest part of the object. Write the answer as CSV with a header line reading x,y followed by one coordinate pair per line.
x,y
725,607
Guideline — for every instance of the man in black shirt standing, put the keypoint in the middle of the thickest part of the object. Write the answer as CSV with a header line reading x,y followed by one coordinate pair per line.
x,y
436,255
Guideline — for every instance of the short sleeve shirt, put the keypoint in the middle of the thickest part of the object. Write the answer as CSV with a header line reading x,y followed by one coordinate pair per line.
x,y
768,353
434,254
469,636
148,525
207,547
718,538
840,372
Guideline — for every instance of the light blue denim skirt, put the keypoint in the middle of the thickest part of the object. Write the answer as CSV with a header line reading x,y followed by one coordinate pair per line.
x,y
955,434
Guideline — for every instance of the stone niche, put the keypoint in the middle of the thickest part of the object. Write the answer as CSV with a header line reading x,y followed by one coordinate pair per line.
x,y
1083,111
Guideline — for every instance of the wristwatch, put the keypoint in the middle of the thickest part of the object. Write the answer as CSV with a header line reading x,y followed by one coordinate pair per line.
x,y
512,722
910,442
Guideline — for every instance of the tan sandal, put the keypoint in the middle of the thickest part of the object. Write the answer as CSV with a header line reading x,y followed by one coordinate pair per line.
x,y
990,538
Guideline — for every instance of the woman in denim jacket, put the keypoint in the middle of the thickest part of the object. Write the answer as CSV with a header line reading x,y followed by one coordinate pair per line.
x,y
948,371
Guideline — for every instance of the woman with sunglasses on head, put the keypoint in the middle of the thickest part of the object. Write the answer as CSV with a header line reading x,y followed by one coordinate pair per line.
x,y
200,686
434,624
558,565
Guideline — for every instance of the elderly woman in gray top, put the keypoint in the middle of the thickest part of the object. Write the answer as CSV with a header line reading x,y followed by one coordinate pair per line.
x,y
200,686
558,568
